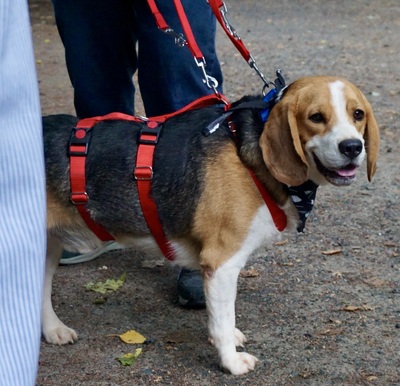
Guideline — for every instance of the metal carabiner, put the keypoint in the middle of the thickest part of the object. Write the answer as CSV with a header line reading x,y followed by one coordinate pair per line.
x,y
228,25
180,40
209,80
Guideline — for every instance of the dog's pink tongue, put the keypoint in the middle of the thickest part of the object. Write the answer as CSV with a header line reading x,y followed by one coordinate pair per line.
x,y
349,171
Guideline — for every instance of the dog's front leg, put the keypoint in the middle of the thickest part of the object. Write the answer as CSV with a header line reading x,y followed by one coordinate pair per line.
x,y
54,330
220,289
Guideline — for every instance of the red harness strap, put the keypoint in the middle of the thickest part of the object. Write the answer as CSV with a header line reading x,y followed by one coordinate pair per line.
x,y
78,150
144,172
277,214
78,147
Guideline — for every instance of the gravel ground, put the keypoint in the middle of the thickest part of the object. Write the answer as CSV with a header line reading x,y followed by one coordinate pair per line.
x,y
320,309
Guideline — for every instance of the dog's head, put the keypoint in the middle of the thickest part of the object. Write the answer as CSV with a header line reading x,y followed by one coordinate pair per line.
x,y
321,130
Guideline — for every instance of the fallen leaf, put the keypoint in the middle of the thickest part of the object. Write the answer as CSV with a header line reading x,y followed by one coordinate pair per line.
x,y
375,282
357,308
249,273
131,337
129,358
351,308
332,251
110,285
283,242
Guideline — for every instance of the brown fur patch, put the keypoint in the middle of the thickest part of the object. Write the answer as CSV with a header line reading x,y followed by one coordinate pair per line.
x,y
59,216
226,208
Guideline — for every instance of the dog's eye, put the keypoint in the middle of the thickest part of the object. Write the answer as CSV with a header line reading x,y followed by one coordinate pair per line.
x,y
358,115
317,118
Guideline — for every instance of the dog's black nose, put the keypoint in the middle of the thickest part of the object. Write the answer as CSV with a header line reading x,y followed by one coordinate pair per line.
x,y
351,148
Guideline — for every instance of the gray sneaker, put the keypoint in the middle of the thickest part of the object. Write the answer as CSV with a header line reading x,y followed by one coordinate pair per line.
x,y
73,258
190,289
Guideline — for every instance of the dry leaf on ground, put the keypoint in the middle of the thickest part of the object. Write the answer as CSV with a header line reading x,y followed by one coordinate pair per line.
x,y
131,337
357,308
332,251
249,273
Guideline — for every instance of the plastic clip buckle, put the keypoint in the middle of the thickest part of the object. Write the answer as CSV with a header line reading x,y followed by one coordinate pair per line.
x,y
150,134
79,142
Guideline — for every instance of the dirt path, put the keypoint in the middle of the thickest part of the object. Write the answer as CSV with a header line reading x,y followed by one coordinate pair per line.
x,y
313,317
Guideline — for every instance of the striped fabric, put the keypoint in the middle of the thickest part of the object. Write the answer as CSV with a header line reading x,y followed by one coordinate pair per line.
x,y
22,200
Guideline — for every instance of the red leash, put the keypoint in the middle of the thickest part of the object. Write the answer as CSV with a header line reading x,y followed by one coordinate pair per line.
x,y
220,11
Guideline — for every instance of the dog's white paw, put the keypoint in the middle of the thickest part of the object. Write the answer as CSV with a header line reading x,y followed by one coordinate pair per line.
x,y
60,335
240,338
239,363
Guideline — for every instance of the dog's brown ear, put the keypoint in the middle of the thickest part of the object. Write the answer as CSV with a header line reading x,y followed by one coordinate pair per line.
x,y
371,137
281,146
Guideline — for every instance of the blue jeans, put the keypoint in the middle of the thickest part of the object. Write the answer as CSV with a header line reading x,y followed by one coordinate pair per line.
x,y
107,41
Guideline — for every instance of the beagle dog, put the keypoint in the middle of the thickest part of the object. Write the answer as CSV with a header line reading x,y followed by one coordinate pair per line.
x,y
321,129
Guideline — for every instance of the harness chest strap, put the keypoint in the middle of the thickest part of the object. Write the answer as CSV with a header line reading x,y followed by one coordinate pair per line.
x,y
78,149
143,174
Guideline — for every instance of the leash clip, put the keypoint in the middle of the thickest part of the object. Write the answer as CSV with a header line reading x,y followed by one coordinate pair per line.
x,y
279,82
252,63
180,40
209,80
223,11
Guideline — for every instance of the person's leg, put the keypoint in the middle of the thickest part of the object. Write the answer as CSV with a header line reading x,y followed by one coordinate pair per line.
x,y
168,75
99,39
22,200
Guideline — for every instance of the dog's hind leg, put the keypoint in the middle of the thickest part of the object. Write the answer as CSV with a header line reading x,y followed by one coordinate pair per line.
x,y
54,331
220,289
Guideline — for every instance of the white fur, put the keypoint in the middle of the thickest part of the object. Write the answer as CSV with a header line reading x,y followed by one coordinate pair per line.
x,y
54,330
220,289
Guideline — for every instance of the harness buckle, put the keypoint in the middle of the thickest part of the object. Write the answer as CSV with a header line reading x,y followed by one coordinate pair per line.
x,y
150,133
79,198
143,173
79,142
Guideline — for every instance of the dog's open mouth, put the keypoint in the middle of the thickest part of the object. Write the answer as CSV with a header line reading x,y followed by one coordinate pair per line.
x,y
343,176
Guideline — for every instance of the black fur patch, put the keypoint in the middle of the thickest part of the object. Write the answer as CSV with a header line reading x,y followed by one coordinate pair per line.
x,y
179,162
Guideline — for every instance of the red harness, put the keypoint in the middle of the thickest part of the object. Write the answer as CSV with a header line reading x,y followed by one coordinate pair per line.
x,y
143,173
